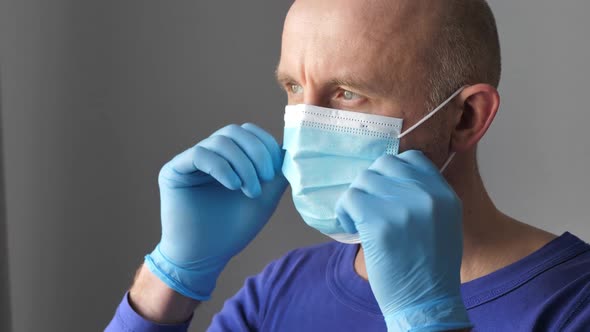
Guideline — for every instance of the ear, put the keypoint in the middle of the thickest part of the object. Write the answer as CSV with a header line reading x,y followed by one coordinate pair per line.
x,y
480,104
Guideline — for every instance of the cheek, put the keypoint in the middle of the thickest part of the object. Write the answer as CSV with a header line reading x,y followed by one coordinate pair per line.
x,y
433,141
421,138
294,99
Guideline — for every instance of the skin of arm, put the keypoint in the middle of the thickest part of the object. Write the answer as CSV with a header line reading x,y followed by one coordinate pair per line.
x,y
155,301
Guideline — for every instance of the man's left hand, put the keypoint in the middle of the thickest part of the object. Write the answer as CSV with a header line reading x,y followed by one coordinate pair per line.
x,y
410,224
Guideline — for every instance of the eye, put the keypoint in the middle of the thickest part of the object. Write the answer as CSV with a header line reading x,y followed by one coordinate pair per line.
x,y
295,88
349,95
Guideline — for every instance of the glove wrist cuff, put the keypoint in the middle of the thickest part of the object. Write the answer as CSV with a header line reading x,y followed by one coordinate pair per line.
x,y
190,283
442,315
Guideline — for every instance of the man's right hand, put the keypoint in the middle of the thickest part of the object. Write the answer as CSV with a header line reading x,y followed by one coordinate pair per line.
x,y
215,198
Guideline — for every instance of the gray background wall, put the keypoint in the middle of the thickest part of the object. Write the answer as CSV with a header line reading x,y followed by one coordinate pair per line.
x,y
4,281
97,95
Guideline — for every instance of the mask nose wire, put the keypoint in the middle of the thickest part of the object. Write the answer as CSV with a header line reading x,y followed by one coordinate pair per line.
x,y
431,114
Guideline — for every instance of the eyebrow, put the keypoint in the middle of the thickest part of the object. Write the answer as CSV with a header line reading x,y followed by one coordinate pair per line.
x,y
283,78
349,81
353,83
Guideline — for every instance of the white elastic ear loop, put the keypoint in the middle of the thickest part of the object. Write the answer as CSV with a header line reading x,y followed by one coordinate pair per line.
x,y
431,114
448,162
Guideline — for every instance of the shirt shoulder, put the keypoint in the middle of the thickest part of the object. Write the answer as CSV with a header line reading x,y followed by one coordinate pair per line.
x,y
548,290
565,305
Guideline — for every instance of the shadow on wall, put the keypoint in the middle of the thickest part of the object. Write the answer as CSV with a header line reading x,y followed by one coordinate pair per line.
x,y
4,289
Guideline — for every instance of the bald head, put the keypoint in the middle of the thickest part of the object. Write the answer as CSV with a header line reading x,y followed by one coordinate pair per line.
x,y
419,49
465,48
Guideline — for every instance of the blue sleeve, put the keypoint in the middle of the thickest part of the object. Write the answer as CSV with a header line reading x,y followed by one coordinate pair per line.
x,y
127,320
245,311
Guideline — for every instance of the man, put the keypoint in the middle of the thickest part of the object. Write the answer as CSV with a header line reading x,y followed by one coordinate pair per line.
x,y
370,79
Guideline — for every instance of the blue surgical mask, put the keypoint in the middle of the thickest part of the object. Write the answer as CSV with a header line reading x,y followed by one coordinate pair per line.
x,y
326,149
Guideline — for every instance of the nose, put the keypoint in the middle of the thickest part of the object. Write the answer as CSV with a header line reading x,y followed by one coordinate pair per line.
x,y
315,97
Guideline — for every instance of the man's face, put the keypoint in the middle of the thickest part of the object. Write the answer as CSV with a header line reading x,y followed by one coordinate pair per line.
x,y
363,56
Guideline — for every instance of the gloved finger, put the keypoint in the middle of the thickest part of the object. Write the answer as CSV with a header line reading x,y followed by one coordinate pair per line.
x,y
354,208
253,147
344,219
379,185
170,178
419,160
230,151
269,141
210,163
275,187
394,167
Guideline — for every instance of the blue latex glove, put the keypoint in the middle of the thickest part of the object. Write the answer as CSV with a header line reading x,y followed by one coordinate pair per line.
x,y
410,225
215,198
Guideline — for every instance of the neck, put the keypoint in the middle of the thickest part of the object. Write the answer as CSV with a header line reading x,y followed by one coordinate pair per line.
x,y
491,240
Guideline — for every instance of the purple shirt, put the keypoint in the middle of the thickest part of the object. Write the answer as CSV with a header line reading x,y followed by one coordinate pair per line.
x,y
317,289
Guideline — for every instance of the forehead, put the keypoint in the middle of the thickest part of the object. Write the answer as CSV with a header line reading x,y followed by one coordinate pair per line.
x,y
372,40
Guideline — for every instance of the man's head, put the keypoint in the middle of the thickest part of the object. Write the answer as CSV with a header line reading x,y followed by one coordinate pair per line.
x,y
398,58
